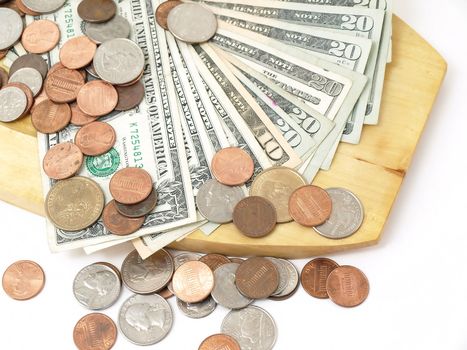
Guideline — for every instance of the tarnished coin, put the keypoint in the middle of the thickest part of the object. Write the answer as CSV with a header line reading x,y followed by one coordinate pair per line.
x,y
44,6
193,281
63,85
145,319
74,204
23,280
95,331
216,202
12,25
252,327
97,98
257,278
40,36
129,96
13,103
147,276
97,287
347,286
346,215
95,138
30,60
277,184
78,117
28,76
214,260
77,52
197,310
49,117
117,223
310,205
255,216
314,276
219,341
97,10
292,281
29,96
62,161
192,23
130,185
232,166
139,209
225,291
117,27
163,11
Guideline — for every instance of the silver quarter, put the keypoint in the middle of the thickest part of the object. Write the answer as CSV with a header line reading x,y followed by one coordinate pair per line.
x,y
13,103
346,215
225,291
147,276
97,286
252,327
293,278
179,260
216,202
197,310
283,274
119,61
192,23
117,27
11,26
30,77
44,6
145,319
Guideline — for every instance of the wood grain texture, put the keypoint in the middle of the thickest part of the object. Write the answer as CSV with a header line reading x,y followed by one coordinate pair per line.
x,y
374,169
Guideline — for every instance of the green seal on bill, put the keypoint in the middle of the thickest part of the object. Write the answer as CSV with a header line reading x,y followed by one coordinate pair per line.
x,y
104,165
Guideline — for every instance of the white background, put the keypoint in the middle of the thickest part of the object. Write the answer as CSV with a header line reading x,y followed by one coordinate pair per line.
x,y
418,294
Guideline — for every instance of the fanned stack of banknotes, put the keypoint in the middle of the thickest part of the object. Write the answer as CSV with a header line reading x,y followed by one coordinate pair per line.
x,y
286,81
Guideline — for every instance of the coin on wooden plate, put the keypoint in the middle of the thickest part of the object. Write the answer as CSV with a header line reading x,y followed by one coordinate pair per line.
x,y
347,286
63,85
77,52
225,291
129,96
314,276
28,76
257,278
193,281
95,138
49,117
12,25
13,103
214,260
130,185
310,205
44,6
95,331
97,11
74,204
40,36
255,216
163,11
232,166
197,310
23,280
192,23
117,27
219,341
117,223
30,60
139,209
62,161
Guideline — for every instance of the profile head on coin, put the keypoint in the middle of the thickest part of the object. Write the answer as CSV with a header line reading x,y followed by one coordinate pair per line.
x,y
232,166
23,280
192,23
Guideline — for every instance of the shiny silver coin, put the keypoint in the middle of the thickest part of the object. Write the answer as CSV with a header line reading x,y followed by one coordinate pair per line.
x,y
119,61
13,103
292,280
192,23
145,319
283,274
91,71
97,286
179,260
30,77
225,291
252,327
117,27
346,215
197,310
44,6
216,202
11,27
147,276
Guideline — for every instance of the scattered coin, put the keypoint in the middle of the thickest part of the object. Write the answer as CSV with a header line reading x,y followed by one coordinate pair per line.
x,y
292,282
13,103
314,276
193,282
95,331
40,36
63,85
95,138
28,76
232,166
139,209
77,52
97,11
283,275
129,96
225,291
30,60
117,223
257,278
49,117
219,341
78,117
197,310
163,11
62,161
214,260
255,216
310,205
74,204
42,6
117,27
130,185
11,20
347,286
23,280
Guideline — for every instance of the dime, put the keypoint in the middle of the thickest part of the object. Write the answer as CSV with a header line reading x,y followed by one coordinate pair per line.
x,y
310,205
130,185
78,117
28,76
277,184
23,280
163,11
118,224
29,96
147,276
117,27
49,117
139,209
13,103
192,23
12,25
97,10
252,327
214,260
44,6
197,310
193,281
257,278
145,319
314,276
97,286
180,259
62,161
283,275
347,286
225,291
30,60
40,36
95,331
63,85
255,216
129,96
232,166
292,282
346,215
219,341
74,204
216,202
77,52
95,138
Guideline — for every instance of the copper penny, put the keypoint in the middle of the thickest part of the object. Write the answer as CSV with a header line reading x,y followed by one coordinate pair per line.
x,y
310,205
78,117
77,52
214,260
40,36
166,293
97,11
162,12
23,280
117,223
3,77
49,117
39,98
29,95
129,96
255,216
232,166
30,60
139,209
62,161
130,185
55,67
347,286
95,138
314,276
23,8
219,342
95,331
257,278
63,85
193,281
97,98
